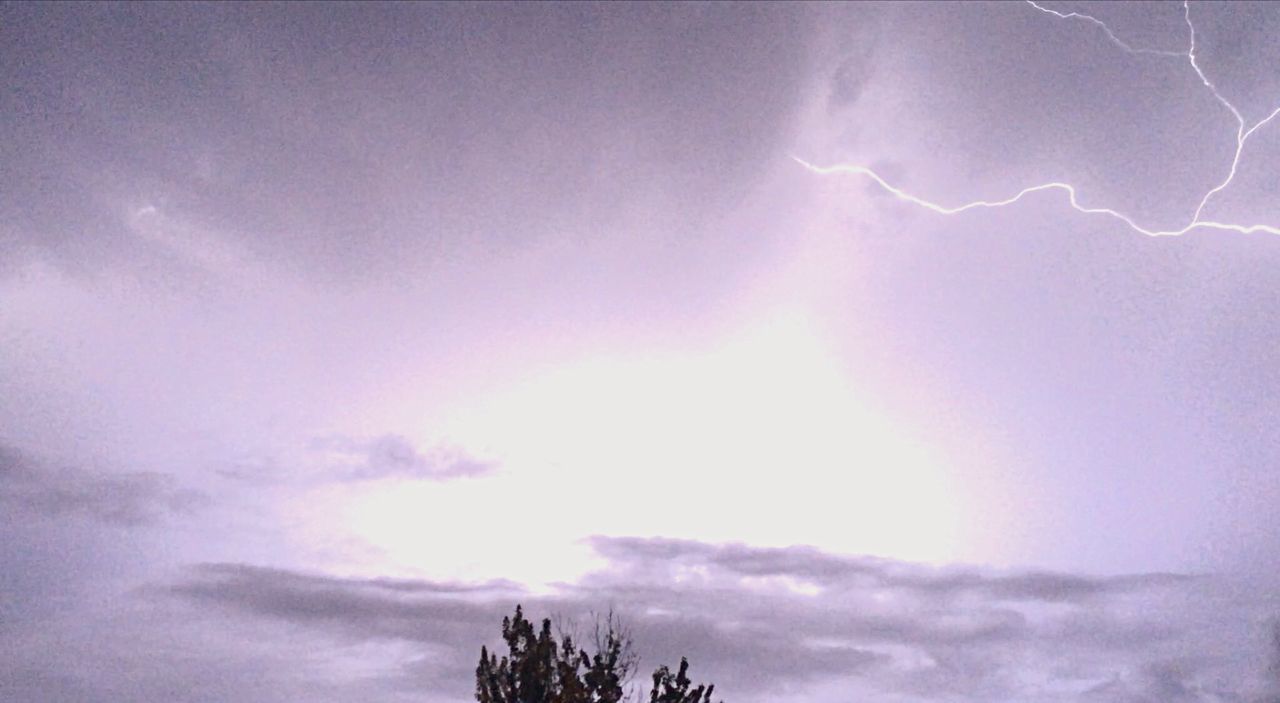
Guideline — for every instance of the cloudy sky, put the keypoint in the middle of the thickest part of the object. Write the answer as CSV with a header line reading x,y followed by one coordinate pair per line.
x,y
330,332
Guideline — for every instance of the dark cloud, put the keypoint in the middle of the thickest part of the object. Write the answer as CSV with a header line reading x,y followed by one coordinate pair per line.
x,y
769,621
363,608
851,77
30,487
320,137
826,570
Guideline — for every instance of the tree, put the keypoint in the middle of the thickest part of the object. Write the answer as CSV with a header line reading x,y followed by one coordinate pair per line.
x,y
543,668
669,689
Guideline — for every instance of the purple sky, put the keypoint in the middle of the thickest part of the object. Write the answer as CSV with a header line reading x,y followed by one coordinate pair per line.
x,y
330,332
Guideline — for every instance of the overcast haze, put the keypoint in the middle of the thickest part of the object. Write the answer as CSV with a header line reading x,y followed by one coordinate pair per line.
x,y
329,332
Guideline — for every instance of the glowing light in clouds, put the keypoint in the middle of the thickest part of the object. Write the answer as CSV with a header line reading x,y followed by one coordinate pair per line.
x,y
759,439
1243,132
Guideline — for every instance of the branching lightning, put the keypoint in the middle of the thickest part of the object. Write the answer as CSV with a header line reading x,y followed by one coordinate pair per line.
x,y
1243,132
1103,26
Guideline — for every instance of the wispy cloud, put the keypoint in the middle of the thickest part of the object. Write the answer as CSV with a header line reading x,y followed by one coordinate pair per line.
x,y
394,456
343,458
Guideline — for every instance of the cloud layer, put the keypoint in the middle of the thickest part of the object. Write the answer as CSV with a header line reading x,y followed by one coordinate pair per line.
x,y
769,624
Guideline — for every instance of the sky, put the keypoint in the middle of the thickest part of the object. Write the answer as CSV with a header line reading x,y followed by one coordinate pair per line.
x,y
913,353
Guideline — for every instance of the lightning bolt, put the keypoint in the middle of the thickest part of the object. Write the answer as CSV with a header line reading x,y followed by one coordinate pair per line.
x,y
1103,26
1243,132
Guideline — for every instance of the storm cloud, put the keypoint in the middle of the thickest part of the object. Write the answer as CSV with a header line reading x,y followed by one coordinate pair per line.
x,y
328,333
35,489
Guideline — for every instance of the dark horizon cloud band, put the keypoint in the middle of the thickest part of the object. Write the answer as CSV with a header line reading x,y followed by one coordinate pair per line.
x,y
770,619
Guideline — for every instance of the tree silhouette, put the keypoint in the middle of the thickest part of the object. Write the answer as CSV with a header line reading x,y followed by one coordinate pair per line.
x,y
539,668
675,689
